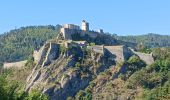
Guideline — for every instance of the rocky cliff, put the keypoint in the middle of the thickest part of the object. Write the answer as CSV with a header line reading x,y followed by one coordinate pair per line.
x,y
62,71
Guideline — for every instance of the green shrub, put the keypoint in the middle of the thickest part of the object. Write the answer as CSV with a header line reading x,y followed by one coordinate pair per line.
x,y
78,65
92,44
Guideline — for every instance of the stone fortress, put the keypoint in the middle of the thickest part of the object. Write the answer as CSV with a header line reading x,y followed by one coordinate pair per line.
x,y
46,54
68,30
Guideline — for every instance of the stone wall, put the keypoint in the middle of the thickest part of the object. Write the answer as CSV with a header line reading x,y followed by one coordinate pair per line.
x,y
117,51
147,58
121,52
14,64
97,48
66,32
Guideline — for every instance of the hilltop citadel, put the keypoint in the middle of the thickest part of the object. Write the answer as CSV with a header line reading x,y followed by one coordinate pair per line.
x,y
64,65
68,30
47,52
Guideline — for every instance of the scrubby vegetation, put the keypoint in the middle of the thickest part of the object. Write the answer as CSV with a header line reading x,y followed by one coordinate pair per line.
x,y
136,80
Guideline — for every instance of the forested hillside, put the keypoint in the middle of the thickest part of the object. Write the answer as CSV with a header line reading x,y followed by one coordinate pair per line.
x,y
19,44
148,40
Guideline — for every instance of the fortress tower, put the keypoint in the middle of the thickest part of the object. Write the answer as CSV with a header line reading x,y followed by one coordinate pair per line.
x,y
85,25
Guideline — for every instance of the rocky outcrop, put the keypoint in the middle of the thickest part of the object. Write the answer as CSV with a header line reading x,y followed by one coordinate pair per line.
x,y
63,74
57,79
48,53
63,71
52,53
69,85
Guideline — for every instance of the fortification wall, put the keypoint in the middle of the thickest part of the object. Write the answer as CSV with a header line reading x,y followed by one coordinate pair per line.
x,y
97,48
117,51
14,64
93,34
67,33
123,53
147,58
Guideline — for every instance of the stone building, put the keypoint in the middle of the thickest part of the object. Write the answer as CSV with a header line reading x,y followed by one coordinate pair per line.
x,y
71,26
68,30
85,25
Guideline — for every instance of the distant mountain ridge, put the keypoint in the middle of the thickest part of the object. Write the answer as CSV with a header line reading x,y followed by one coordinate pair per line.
x,y
150,40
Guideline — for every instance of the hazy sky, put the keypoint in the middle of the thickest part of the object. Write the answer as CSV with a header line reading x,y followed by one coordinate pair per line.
x,y
122,17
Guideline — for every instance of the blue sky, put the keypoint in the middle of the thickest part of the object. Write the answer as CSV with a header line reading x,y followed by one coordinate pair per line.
x,y
123,17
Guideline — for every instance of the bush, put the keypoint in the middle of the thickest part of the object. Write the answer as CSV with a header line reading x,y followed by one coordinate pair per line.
x,y
134,63
92,44
37,95
83,95
78,65
63,49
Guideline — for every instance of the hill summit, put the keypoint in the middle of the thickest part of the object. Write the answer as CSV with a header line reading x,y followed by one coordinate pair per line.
x,y
65,65
77,64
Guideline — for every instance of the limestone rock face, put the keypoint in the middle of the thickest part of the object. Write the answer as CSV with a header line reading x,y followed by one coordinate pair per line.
x,y
48,53
61,72
69,86
54,74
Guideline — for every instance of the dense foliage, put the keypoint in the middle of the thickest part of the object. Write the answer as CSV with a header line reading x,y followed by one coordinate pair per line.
x,y
154,79
18,44
12,83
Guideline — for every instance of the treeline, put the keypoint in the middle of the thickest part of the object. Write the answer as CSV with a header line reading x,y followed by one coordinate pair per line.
x,y
149,40
19,44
